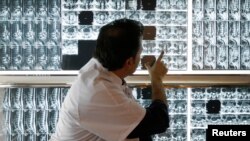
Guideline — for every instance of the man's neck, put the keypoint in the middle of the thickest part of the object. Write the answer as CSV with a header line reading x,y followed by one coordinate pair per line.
x,y
120,73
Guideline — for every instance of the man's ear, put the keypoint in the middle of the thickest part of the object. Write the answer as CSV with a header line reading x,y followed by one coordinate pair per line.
x,y
129,62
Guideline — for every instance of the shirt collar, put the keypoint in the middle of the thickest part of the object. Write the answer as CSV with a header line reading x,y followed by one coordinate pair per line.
x,y
108,74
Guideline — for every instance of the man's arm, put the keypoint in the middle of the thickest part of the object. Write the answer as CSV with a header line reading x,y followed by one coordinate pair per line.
x,y
156,119
156,73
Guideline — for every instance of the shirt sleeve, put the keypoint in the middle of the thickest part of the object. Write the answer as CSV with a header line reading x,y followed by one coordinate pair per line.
x,y
156,120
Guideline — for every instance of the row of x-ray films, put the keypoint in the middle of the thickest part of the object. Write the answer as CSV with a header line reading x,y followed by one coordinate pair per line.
x,y
232,100
29,9
33,98
149,17
32,113
167,33
221,10
30,45
79,5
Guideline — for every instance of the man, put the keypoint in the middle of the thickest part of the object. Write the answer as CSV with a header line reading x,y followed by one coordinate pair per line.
x,y
99,106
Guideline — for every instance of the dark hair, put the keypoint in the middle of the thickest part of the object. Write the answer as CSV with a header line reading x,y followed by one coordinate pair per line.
x,y
117,41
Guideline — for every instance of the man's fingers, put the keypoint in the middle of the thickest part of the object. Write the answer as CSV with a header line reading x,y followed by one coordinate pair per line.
x,y
147,65
161,55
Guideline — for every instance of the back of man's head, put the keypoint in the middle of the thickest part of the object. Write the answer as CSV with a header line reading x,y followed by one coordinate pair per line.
x,y
117,41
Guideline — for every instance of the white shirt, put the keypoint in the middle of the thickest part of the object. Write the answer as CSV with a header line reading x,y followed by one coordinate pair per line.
x,y
98,108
